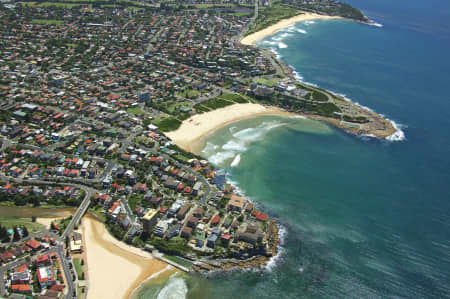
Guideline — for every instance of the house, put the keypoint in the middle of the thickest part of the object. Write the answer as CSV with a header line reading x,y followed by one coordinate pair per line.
x,y
211,241
225,238
215,220
198,212
43,260
260,215
192,221
171,183
186,232
33,245
182,213
236,203
21,288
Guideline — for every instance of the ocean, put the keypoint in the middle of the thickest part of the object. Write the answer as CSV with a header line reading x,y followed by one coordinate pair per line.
x,y
361,217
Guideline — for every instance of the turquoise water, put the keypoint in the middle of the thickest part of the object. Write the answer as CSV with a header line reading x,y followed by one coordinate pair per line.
x,y
362,218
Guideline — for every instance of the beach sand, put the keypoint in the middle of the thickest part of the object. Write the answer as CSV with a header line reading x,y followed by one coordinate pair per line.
x,y
200,125
306,16
115,269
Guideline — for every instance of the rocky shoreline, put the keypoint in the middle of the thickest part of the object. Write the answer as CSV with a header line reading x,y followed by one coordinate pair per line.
x,y
377,125
255,262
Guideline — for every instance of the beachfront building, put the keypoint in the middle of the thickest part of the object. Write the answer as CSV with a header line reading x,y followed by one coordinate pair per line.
x,y
150,219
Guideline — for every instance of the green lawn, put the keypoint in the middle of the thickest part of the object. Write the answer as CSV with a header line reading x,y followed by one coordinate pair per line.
x,y
237,98
47,22
168,124
59,4
272,82
10,222
78,267
201,6
135,110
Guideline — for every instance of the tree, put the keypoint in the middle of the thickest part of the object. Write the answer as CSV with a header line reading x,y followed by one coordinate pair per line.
x,y
33,219
82,262
25,232
82,276
4,236
16,235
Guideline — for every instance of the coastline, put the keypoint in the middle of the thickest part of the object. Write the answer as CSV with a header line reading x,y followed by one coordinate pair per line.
x,y
104,253
193,129
378,125
304,16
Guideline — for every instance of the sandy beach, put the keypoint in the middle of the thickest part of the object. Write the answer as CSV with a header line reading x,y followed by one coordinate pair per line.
x,y
115,269
200,125
306,16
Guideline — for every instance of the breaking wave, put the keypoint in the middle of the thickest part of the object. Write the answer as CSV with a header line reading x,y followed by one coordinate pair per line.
x,y
309,22
238,143
236,161
301,31
282,45
399,135
220,157
274,261
175,288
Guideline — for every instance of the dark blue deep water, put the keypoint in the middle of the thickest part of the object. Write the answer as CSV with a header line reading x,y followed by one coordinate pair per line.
x,y
364,218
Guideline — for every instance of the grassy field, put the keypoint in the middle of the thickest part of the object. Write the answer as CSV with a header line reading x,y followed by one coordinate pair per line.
x,y
78,267
135,110
268,17
28,3
59,4
207,5
168,124
10,222
47,22
272,82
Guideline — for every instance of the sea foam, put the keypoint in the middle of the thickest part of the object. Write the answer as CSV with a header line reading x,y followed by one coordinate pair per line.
x,y
399,135
175,288
236,161
274,261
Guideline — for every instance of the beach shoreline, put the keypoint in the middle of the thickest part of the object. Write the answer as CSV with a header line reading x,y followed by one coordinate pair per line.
x,y
189,135
104,253
251,39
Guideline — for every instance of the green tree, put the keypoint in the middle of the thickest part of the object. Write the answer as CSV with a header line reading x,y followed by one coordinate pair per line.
x,y
25,232
16,235
4,236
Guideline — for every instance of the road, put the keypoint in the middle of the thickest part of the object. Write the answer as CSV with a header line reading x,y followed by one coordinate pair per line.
x,y
80,211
